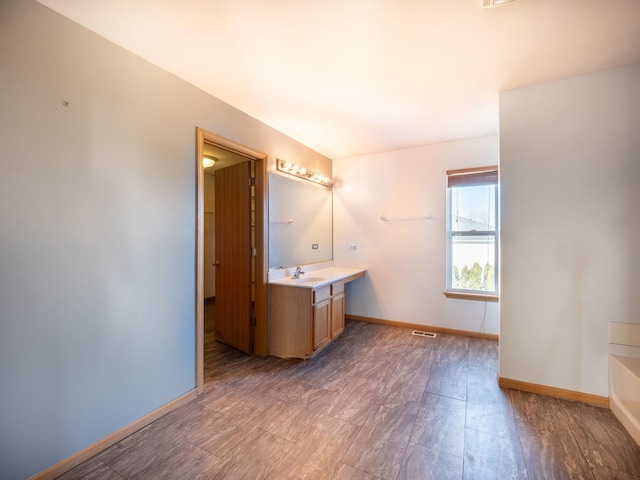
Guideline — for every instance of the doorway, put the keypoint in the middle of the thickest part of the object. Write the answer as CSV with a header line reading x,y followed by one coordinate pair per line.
x,y
253,286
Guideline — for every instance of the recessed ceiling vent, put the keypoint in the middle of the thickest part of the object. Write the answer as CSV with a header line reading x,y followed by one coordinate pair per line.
x,y
494,3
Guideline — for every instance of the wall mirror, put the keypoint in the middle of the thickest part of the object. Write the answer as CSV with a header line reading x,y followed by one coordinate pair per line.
x,y
300,222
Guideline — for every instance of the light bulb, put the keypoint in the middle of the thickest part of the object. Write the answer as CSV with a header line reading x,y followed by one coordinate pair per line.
x,y
208,161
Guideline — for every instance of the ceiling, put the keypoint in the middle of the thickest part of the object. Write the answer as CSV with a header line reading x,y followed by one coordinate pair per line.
x,y
350,77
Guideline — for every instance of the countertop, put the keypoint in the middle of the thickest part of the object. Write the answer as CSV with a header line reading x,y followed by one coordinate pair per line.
x,y
319,278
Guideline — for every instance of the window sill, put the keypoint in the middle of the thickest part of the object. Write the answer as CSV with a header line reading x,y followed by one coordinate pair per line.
x,y
473,296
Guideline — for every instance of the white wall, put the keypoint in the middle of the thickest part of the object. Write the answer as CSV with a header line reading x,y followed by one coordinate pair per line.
x,y
406,260
97,233
570,167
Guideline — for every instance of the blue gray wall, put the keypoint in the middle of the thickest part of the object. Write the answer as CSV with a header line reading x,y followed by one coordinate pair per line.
x,y
570,210
97,233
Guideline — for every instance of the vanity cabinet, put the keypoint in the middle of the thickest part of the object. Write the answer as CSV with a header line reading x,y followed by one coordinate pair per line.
x,y
337,309
321,317
302,321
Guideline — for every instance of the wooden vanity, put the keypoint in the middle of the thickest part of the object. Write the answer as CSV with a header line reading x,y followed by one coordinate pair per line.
x,y
304,317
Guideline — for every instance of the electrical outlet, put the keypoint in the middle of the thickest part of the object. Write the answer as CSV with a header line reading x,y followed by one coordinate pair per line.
x,y
351,246
314,246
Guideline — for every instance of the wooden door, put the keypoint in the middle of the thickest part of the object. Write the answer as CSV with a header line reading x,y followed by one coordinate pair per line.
x,y
321,324
209,255
337,315
233,256
337,309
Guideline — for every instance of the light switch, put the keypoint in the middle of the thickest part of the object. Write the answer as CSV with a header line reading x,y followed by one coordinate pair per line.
x,y
351,246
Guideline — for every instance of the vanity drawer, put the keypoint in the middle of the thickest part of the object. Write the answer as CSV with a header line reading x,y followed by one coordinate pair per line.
x,y
321,294
337,288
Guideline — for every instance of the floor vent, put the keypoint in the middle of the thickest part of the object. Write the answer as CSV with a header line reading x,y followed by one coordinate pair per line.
x,y
420,333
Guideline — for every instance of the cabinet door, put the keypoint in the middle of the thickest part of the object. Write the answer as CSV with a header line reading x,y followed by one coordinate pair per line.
x,y
337,315
321,324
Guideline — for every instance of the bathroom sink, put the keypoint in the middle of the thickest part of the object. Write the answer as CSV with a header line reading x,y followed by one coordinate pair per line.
x,y
308,279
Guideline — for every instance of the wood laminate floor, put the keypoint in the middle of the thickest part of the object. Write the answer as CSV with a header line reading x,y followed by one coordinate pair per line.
x,y
378,403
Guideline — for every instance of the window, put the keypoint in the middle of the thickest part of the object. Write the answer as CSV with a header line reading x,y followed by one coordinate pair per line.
x,y
472,239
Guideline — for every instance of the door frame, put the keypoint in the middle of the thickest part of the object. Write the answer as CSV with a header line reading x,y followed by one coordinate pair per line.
x,y
260,341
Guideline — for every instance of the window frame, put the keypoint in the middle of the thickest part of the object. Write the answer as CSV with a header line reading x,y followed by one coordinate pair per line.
x,y
488,175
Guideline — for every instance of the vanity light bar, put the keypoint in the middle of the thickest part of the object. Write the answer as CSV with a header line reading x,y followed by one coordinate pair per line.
x,y
301,172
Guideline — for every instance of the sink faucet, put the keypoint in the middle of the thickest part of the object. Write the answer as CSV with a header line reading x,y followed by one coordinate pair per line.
x,y
297,273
